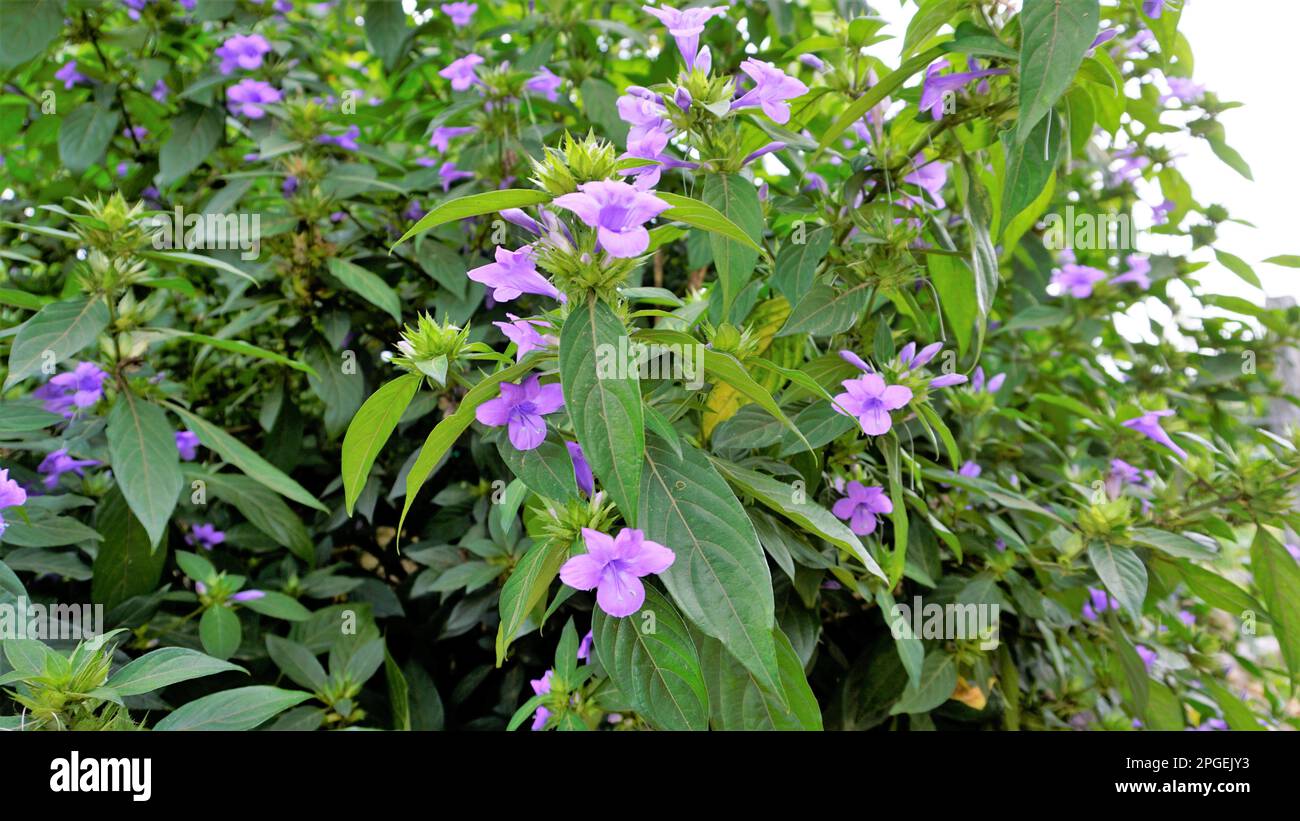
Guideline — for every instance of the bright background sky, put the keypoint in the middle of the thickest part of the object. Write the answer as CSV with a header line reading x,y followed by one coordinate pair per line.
x,y
1238,48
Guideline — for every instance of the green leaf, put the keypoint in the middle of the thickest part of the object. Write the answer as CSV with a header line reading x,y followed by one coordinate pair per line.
x,y
240,709
796,264
978,211
278,606
263,508
298,663
736,199
1029,167
27,28
891,82
186,258
473,206
236,346
220,632
603,398
527,585
958,300
48,531
705,217
824,310
169,665
1123,573
1217,591
650,657
145,462
368,285
719,579
369,431
1054,36
737,701
1238,266
546,470
386,30
929,18
1236,712
812,517
1286,260
84,135
243,457
1277,575
196,132
935,686
62,328
340,387
126,564
1171,543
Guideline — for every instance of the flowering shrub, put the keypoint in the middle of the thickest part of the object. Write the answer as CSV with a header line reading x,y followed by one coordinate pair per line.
x,y
592,365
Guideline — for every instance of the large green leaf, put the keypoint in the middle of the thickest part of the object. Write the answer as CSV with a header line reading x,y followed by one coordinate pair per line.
x,y
1029,166
737,701
1054,36
1123,573
165,666
368,285
62,328
719,579
652,659
824,310
1278,577
145,462
126,564
243,457
386,30
958,300
84,135
369,430
263,508
603,397
27,28
796,263
473,206
240,709
705,217
220,631
735,198
546,470
935,686
526,586
196,132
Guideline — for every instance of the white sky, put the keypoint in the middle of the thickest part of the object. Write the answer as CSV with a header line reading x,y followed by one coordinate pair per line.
x,y
1238,49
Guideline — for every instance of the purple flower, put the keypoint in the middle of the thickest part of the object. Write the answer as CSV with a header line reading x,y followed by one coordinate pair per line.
x,y
614,566
1184,90
914,361
205,536
461,14
123,168
948,380
1294,550
1138,269
523,332
1147,655
584,646
856,361
649,145
514,273
58,463
1148,424
1105,35
413,211
1077,280
462,72
134,7
290,186
935,86
581,469
160,91
541,686
283,6
546,83
347,140
79,388
442,136
187,444
618,212
812,61
860,505
69,75
642,110
242,51
1099,601
970,469
520,408
772,88
245,595
978,384
1160,213
870,400
12,494
449,173
248,96
686,27
930,177
1121,473
516,216
1153,8
767,149
1187,618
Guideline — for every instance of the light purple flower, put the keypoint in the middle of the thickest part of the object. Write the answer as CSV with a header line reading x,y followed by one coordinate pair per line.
x,y
69,75
442,136
649,145
541,686
930,177
1147,655
77,389
1148,424
767,149
546,83
813,62
462,72
1160,213
134,7
1183,90
12,494
347,140
978,384
514,273
970,469
461,14
936,86
1139,267
246,595
1077,280
160,91
686,27
582,474
614,566
242,51
414,211
856,361
642,109
205,536
860,505
1121,473
1153,8
248,96
870,400
523,332
1104,36
290,186
948,380
584,646
1099,601
772,88
917,360
449,174
187,444
520,409
618,212
1187,618
58,463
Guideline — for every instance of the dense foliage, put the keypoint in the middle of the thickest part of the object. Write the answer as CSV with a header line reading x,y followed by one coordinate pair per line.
x,y
579,365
